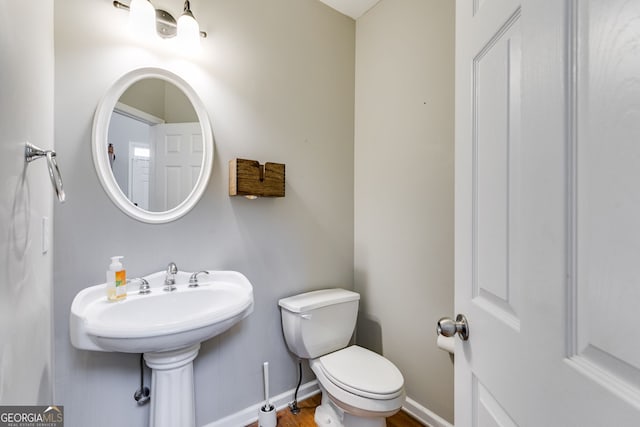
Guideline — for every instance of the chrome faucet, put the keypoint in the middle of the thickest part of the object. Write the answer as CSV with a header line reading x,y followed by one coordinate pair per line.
x,y
170,279
193,280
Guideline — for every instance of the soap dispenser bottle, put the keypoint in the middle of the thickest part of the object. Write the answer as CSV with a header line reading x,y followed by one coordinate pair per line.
x,y
116,280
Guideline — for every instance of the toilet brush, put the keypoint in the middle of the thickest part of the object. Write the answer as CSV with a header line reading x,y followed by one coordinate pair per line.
x,y
265,372
267,415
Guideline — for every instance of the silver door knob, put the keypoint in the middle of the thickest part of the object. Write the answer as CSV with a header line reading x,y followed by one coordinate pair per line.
x,y
448,327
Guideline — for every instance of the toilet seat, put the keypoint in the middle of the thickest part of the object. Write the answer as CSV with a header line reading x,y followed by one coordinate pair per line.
x,y
366,396
363,372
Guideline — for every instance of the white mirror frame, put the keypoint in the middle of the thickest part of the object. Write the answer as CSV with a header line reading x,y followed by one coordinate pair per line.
x,y
101,159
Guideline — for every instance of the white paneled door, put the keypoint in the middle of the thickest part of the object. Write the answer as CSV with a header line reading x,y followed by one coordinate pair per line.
x,y
177,162
548,212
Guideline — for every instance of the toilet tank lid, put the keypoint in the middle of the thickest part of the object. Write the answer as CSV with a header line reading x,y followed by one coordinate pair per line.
x,y
316,299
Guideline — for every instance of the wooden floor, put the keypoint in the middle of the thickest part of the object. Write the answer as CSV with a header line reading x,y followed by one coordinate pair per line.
x,y
308,407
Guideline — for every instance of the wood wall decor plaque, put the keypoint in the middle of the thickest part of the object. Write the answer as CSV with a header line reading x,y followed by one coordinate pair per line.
x,y
250,178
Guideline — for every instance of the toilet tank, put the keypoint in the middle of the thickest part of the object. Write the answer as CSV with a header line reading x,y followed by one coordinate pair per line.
x,y
319,322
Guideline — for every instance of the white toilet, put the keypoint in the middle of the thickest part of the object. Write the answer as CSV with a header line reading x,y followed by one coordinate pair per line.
x,y
359,388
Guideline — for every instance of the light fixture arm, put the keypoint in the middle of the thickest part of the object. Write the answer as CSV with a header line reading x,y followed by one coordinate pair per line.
x,y
165,22
187,9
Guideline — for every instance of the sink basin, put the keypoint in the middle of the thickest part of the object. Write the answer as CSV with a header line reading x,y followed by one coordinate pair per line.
x,y
160,321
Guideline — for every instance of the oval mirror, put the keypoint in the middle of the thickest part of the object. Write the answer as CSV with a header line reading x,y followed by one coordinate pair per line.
x,y
152,145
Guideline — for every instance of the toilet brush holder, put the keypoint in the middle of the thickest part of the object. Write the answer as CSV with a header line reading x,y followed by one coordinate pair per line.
x,y
267,416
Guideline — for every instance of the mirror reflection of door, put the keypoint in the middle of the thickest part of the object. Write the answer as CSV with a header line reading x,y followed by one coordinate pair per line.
x,y
157,143
126,133
139,171
177,163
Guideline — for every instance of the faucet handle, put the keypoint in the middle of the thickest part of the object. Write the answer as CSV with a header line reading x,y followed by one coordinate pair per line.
x,y
145,288
193,280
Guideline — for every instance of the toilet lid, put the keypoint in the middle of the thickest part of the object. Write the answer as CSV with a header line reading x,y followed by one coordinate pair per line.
x,y
363,372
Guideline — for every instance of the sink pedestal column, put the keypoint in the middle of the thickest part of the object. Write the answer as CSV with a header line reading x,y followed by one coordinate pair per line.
x,y
172,392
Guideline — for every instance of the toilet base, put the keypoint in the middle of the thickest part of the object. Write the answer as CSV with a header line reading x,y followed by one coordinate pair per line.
x,y
328,414
352,421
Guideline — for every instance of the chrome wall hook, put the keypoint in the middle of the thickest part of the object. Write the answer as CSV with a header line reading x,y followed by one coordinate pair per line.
x,y
31,153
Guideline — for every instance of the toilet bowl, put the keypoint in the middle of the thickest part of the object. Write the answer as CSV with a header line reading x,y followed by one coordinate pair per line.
x,y
359,388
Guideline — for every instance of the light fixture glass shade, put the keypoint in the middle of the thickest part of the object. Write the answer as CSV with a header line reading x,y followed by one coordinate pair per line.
x,y
188,32
142,19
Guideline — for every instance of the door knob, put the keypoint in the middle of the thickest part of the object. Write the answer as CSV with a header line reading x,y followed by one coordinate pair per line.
x,y
448,327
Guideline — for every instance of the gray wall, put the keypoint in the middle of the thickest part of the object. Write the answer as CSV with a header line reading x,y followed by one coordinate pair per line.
x,y
277,79
404,124
26,197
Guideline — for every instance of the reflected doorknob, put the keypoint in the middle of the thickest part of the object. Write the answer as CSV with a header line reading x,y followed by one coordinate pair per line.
x,y
449,327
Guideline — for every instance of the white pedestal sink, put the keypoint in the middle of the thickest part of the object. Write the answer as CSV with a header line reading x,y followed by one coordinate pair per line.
x,y
167,327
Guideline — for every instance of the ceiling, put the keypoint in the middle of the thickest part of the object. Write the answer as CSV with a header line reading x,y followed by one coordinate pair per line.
x,y
352,8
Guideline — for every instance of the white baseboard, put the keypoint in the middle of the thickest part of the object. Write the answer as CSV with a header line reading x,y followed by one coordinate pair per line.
x,y
250,414
424,415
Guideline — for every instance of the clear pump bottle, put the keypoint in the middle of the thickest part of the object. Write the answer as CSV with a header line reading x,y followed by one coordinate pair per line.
x,y
116,280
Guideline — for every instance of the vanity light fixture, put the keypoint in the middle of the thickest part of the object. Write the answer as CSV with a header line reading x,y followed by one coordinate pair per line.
x,y
188,28
143,17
